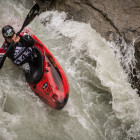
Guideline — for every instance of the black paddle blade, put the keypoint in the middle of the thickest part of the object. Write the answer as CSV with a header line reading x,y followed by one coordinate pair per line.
x,y
32,14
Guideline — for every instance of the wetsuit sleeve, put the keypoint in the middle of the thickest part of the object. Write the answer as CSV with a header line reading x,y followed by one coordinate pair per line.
x,y
2,52
27,40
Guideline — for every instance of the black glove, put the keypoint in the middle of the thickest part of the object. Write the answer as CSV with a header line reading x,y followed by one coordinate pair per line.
x,y
27,40
2,59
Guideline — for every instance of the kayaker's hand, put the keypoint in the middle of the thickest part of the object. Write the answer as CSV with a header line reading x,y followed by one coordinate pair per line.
x,y
16,39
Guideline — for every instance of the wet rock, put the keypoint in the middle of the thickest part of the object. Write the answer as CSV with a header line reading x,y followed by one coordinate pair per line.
x,y
117,17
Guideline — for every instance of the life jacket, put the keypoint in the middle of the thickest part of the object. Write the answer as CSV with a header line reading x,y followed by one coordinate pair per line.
x,y
20,52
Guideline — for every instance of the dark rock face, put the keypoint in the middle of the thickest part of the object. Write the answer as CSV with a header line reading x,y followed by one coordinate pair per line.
x,y
110,18
105,16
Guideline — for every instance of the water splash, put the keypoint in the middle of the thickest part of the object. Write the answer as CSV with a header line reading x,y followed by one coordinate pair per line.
x,y
86,42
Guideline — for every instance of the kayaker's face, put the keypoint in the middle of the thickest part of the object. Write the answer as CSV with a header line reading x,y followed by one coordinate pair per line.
x,y
14,38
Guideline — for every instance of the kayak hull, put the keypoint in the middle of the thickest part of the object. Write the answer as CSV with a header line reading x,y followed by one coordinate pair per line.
x,y
53,87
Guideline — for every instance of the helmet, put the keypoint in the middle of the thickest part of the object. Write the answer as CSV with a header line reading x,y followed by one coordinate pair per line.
x,y
8,31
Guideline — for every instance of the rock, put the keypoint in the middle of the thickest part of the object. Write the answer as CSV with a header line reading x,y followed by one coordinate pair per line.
x,y
110,18
121,18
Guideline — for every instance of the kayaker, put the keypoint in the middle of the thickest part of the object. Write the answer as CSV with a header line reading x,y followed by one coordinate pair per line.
x,y
22,52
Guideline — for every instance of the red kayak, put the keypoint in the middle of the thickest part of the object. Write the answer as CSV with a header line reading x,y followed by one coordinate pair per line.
x,y
51,85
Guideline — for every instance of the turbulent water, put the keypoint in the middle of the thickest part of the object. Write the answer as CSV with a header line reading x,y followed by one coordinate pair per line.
x,y
101,106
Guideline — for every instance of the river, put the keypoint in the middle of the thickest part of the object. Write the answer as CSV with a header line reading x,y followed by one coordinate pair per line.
x,y
101,106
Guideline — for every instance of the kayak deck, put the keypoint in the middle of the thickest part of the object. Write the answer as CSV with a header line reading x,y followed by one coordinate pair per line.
x,y
53,87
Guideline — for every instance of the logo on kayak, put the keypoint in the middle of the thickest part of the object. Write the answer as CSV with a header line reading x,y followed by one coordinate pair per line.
x,y
48,90
45,86
52,61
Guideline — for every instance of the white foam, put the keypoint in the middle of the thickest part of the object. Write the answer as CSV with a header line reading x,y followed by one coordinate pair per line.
x,y
125,101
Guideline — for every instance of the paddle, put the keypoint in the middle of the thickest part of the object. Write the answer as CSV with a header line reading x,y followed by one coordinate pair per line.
x,y
31,15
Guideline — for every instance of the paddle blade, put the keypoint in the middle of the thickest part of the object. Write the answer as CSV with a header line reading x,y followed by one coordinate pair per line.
x,y
31,15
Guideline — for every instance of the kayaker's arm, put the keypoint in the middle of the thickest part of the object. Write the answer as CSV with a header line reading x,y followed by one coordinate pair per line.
x,y
2,51
2,62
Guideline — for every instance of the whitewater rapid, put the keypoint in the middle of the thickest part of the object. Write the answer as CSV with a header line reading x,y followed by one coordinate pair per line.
x,y
101,106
